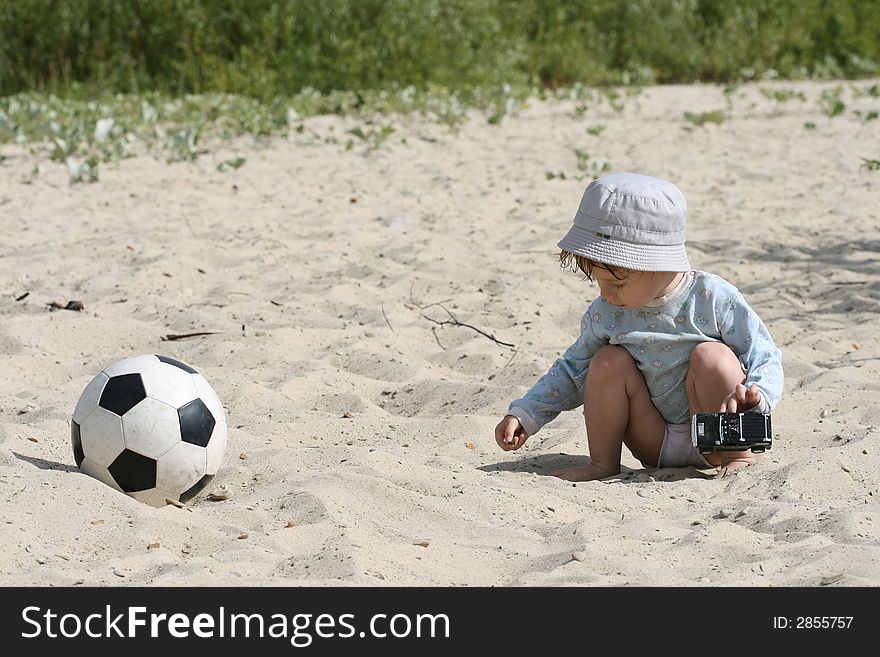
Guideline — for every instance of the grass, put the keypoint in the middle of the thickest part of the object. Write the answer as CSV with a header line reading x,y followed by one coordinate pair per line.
x,y
870,165
831,103
233,163
83,134
593,167
702,118
783,95
269,48
372,138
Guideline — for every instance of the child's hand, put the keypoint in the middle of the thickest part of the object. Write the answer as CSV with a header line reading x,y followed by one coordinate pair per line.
x,y
741,399
509,434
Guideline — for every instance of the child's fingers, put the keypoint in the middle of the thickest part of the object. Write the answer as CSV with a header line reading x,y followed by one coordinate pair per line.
x,y
728,405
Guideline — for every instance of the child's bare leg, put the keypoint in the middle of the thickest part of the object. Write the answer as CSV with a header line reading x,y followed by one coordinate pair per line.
x,y
713,374
617,410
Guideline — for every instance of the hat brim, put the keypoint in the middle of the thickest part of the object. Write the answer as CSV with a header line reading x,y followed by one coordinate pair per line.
x,y
612,251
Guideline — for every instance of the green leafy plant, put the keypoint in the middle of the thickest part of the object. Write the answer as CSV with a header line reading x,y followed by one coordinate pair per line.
x,y
372,138
783,95
871,115
702,118
233,163
593,167
831,103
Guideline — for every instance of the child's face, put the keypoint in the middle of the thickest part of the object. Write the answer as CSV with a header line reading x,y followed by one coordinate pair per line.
x,y
634,288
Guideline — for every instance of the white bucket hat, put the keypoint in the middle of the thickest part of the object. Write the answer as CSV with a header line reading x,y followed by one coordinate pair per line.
x,y
631,221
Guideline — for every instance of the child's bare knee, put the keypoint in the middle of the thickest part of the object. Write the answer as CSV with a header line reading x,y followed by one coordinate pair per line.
x,y
712,358
609,361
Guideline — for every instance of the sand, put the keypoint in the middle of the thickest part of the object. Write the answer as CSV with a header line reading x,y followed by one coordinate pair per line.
x,y
361,416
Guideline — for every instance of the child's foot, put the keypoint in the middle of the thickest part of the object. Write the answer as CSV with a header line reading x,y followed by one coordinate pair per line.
x,y
730,467
589,472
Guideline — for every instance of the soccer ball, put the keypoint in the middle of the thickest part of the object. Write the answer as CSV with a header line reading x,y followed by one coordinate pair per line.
x,y
151,427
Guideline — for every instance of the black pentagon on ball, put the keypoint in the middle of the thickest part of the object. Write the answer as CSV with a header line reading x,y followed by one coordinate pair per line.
x,y
78,454
133,471
176,363
122,393
196,423
195,489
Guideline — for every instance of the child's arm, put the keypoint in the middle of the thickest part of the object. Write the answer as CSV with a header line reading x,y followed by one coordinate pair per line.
x,y
744,332
562,387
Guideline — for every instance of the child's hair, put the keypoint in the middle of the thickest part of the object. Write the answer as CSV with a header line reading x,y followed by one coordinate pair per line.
x,y
575,263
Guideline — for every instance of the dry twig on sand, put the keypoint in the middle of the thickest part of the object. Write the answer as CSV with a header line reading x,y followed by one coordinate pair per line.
x,y
184,336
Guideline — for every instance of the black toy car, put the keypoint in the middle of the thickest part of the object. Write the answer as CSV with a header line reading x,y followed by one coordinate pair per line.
x,y
731,431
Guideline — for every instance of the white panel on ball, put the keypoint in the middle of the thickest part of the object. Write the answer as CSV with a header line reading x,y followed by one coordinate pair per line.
x,y
170,384
181,467
89,398
132,365
216,447
151,428
101,436
207,395
99,472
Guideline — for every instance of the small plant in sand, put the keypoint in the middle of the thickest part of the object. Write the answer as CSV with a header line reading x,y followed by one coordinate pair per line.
x,y
82,169
700,119
613,99
830,102
593,167
873,91
870,165
182,144
561,174
864,117
783,95
595,130
372,138
233,163
731,88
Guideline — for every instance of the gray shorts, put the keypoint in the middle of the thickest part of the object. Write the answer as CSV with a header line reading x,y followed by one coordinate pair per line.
x,y
678,449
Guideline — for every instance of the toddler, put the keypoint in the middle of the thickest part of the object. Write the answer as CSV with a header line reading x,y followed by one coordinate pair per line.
x,y
661,343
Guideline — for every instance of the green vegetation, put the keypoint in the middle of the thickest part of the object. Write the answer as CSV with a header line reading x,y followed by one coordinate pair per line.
x,y
594,168
372,138
234,163
831,103
95,81
702,118
283,48
870,165
783,95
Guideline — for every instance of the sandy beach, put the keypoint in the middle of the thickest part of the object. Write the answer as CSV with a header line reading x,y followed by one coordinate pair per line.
x,y
337,283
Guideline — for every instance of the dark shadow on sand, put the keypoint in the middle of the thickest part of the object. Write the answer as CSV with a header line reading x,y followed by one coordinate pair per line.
x,y
45,464
544,464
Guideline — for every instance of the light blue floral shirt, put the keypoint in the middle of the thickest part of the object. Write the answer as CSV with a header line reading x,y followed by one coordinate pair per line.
x,y
704,308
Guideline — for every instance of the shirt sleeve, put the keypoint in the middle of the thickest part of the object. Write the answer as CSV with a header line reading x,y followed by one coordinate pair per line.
x,y
562,387
744,332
